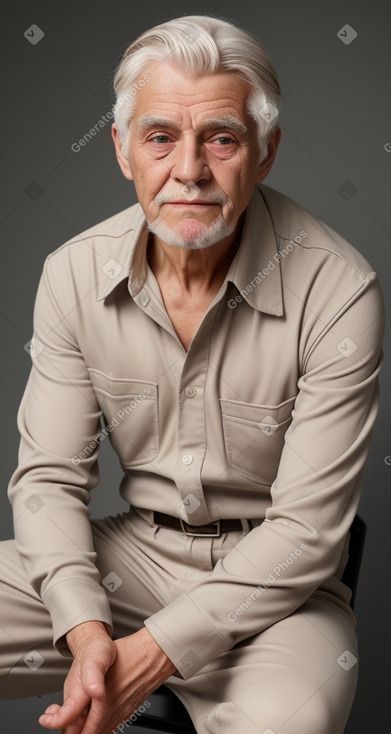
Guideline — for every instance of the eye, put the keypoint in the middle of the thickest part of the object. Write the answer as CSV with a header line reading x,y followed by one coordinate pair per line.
x,y
224,140
160,139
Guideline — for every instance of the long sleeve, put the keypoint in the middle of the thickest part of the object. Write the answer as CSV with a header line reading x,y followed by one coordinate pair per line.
x,y
57,419
315,495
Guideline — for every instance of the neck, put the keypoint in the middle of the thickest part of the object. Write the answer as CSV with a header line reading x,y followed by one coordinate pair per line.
x,y
193,271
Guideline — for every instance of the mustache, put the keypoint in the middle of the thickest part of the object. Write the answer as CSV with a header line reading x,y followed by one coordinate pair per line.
x,y
164,197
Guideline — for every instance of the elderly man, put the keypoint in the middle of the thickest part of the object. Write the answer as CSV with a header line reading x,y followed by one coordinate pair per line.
x,y
232,345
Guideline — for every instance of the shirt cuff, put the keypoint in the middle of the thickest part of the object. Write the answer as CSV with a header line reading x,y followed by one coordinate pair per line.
x,y
203,641
72,602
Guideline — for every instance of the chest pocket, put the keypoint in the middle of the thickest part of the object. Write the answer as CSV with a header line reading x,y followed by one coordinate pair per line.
x,y
254,437
130,410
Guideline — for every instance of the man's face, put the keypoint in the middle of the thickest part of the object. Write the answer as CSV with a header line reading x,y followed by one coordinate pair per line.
x,y
193,155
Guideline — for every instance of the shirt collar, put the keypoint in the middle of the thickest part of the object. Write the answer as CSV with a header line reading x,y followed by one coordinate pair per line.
x,y
254,270
130,261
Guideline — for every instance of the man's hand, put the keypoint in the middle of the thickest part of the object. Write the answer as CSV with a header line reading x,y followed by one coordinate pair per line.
x,y
108,680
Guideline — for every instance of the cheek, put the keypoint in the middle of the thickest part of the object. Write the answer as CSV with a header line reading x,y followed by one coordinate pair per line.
x,y
141,162
235,174
148,179
153,170
239,190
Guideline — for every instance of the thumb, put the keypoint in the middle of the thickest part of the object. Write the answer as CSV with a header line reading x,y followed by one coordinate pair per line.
x,y
93,677
94,668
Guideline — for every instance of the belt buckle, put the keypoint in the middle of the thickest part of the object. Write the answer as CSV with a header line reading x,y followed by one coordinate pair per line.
x,y
201,535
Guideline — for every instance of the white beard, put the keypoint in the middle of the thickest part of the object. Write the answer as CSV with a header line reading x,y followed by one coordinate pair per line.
x,y
212,234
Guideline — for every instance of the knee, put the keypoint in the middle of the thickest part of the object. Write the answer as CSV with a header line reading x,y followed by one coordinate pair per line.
x,y
304,713
314,715
272,715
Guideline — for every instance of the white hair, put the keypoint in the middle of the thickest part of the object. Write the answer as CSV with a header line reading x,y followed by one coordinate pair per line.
x,y
199,44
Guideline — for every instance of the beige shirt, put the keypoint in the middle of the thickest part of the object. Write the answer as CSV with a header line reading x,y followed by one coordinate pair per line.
x,y
268,415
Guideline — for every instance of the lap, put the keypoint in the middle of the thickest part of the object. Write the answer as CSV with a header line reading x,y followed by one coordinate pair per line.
x,y
295,676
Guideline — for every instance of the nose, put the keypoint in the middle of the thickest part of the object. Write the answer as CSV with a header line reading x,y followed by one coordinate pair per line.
x,y
189,162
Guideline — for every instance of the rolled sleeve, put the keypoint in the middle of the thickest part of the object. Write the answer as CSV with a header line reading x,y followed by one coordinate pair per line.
x,y
276,567
59,424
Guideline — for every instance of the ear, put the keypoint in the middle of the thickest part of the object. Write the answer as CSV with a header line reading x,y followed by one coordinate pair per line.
x,y
272,146
123,161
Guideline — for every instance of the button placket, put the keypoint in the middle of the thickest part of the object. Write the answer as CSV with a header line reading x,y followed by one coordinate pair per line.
x,y
191,434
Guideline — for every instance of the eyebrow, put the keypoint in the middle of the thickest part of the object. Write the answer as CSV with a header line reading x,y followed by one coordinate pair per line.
x,y
227,122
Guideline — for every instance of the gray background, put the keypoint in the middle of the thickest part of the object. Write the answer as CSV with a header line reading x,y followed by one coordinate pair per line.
x,y
335,129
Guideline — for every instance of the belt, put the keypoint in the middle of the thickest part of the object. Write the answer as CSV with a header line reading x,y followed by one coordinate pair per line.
x,y
211,530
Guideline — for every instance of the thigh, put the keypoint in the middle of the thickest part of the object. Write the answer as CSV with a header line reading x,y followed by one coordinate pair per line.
x,y
29,663
299,676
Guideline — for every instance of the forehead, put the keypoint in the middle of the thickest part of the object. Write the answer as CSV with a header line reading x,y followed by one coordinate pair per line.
x,y
174,94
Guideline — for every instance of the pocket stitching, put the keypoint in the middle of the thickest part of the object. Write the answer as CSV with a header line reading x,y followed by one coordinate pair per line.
x,y
151,453
247,421
227,420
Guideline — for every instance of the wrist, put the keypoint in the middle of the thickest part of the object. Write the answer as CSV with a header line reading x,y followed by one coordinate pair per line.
x,y
78,635
158,658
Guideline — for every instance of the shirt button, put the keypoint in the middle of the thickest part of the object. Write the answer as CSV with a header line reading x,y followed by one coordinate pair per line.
x,y
188,459
190,392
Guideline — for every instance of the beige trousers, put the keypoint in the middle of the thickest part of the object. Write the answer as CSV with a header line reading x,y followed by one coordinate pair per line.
x,y
299,676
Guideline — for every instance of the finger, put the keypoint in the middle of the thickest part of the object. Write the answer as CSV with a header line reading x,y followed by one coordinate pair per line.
x,y
96,720
77,725
52,709
58,717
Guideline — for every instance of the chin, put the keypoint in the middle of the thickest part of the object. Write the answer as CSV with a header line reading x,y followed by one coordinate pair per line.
x,y
190,234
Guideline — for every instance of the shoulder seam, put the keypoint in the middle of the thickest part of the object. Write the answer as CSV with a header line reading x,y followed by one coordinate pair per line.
x,y
326,249
87,237
370,277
